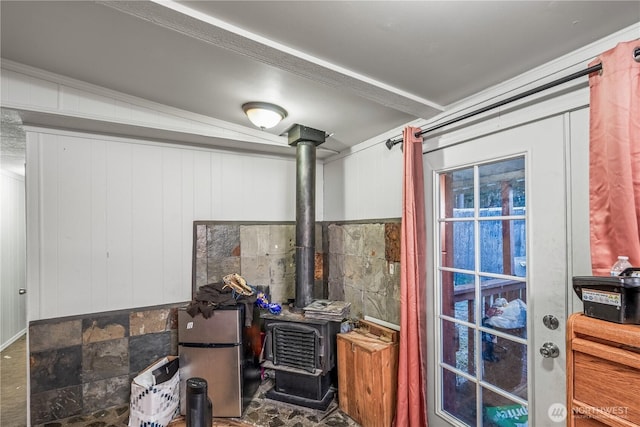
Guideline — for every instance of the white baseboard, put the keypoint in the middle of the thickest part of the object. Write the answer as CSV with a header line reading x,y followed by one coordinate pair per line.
x,y
13,339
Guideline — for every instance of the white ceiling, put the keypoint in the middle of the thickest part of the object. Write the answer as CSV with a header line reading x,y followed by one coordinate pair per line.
x,y
354,69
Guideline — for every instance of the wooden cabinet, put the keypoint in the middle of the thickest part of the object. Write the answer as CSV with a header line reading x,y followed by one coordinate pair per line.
x,y
367,378
603,369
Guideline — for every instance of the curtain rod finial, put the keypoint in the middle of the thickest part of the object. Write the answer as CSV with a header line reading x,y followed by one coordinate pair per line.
x,y
390,143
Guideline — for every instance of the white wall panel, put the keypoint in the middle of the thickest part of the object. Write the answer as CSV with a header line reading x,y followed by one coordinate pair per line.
x,y
255,189
319,193
20,89
352,174
231,167
188,214
380,180
49,218
260,188
99,283
74,220
202,185
172,220
147,224
115,216
364,185
119,212
86,103
140,114
218,183
34,202
5,84
12,257
334,198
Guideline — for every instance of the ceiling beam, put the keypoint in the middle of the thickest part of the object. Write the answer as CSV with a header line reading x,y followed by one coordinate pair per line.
x,y
192,23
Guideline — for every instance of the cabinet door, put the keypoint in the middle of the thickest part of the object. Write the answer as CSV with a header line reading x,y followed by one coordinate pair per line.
x,y
347,395
367,380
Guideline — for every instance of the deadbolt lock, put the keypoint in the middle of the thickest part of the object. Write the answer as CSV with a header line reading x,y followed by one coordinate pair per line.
x,y
551,321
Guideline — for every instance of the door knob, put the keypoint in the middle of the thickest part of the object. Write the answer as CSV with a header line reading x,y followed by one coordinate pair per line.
x,y
549,349
22,291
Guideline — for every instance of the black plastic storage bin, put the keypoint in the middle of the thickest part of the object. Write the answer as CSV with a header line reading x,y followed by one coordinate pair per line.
x,y
615,298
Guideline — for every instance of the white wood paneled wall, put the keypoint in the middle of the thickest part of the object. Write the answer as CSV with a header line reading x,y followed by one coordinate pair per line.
x,y
13,318
112,218
364,185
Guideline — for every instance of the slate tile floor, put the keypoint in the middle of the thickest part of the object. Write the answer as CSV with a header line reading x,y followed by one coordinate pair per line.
x,y
261,412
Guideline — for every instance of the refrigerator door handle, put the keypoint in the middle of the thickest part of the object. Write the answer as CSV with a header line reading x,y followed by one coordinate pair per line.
x,y
208,345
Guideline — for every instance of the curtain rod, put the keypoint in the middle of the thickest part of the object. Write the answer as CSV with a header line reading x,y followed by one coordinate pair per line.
x,y
598,67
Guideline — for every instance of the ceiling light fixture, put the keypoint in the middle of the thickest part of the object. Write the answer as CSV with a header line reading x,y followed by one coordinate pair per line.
x,y
263,114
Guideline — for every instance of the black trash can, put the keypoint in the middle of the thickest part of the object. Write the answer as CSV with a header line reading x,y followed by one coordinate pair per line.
x,y
199,407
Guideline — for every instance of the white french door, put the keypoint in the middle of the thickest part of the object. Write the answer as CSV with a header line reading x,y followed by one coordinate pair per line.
x,y
496,266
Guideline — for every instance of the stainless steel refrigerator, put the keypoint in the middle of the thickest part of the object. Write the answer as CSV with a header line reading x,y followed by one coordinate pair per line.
x,y
217,350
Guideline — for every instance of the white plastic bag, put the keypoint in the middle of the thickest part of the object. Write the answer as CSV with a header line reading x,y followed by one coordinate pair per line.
x,y
154,404
508,316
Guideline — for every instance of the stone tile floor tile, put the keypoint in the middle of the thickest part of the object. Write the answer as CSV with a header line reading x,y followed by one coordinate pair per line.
x,y
261,412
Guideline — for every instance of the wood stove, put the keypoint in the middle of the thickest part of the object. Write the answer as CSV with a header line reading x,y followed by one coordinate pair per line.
x,y
302,352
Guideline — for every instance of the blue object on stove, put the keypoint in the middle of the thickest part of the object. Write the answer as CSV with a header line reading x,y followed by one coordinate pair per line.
x,y
275,308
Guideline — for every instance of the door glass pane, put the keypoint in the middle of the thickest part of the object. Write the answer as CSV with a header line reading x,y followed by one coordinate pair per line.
x,y
458,349
463,407
483,253
502,187
459,184
503,249
498,411
504,305
459,239
458,295
504,364
504,311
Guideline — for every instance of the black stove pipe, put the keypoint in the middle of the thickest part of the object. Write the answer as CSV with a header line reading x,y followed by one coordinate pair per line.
x,y
305,140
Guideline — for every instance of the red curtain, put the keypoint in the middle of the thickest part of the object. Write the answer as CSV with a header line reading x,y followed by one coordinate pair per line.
x,y
412,403
614,158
